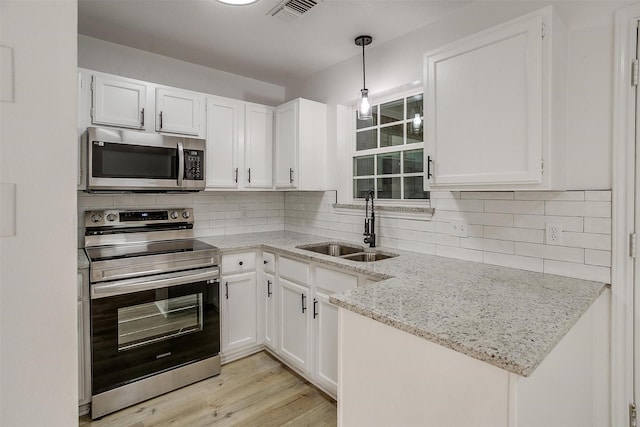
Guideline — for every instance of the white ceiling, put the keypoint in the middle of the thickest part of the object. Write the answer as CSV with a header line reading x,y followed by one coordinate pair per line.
x,y
245,40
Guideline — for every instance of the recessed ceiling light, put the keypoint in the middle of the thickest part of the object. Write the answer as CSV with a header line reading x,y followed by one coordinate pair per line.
x,y
238,2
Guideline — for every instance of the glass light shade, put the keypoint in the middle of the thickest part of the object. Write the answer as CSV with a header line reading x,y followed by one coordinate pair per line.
x,y
238,2
364,107
417,121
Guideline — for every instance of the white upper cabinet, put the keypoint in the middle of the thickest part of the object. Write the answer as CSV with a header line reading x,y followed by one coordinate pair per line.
x,y
118,102
223,128
300,145
179,111
258,146
494,108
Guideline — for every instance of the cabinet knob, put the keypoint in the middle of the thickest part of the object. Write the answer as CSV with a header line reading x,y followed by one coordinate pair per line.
x,y
265,262
240,263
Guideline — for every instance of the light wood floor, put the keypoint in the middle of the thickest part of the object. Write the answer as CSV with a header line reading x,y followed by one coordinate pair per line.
x,y
255,391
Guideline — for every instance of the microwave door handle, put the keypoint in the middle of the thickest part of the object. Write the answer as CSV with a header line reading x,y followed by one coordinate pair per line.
x,y
180,163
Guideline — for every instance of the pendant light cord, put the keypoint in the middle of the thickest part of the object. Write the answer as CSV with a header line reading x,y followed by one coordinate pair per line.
x,y
364,82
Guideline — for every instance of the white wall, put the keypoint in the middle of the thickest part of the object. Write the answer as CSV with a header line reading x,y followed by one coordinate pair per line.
x,y
38,328
398,63
99,55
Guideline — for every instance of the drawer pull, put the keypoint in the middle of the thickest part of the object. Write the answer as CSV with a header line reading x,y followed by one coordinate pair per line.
x,y
226,289
315,308
269,293
304,302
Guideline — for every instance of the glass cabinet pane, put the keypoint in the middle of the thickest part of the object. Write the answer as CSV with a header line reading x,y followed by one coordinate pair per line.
x,y
363,166
391,135
415,133
392,111
389,163
413,161
389,188
366,140
414,106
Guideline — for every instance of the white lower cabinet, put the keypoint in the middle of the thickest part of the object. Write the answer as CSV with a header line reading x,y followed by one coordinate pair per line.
x,y
325,342
240,302
271,313
240,309
294,323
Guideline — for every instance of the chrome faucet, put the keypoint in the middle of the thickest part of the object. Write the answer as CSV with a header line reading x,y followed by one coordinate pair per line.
x,y
369,222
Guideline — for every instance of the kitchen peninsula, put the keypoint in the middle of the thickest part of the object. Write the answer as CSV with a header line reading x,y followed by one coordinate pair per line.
x,y
455,340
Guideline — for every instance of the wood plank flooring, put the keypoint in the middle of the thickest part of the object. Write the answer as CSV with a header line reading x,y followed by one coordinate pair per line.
x,y
255,391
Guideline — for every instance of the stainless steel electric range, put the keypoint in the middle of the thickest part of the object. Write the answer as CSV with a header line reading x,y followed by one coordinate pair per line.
x,y
155,315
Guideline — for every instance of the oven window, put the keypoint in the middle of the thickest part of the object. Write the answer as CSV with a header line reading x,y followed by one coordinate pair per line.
x,y
163,319
113,160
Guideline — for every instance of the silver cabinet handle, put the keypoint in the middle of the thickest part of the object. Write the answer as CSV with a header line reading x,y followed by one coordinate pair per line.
x,y
180,163
290,175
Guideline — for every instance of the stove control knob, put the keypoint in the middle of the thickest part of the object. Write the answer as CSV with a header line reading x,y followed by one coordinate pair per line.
x,y
96,217
174,215
185,214
111,217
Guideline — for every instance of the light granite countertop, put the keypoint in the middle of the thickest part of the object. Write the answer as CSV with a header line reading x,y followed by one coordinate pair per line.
x,y
506,317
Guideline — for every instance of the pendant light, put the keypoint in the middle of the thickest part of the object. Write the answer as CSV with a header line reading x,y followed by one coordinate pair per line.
x,y
364,107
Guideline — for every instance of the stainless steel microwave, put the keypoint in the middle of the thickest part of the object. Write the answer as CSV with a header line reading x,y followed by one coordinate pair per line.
x,y
127,160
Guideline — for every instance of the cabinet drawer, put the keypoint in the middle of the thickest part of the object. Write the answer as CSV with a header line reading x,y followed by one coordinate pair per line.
x,y
293,270
334,281
269,262
238,263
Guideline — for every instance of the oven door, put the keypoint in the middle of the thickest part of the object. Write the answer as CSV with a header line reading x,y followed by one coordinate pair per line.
x,y
142,327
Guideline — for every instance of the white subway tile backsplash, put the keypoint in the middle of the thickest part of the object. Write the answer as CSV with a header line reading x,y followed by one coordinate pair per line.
x,y
501,246
580,271
597,225
592,209
514,261
569,223
550,195
458,205
515,207
587,240
598,196
596,257
487,195
560,253
504,228
459,253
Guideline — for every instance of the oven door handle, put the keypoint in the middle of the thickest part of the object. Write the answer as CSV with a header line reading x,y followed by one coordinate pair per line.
x,y
180,163
120,287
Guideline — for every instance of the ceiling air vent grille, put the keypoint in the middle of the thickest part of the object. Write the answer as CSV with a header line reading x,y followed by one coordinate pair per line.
x,y
290,10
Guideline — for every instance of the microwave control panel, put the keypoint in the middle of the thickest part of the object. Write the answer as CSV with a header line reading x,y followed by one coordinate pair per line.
x,y
194,164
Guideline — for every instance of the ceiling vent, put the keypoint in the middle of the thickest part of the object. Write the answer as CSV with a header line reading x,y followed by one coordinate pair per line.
x,y
290,10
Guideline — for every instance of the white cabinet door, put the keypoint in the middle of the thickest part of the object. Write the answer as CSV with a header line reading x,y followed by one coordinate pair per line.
x,y
294,323
239,293
484,108
271,314
300,140
178,111
118,102
223,121
325,317
258,146
286,145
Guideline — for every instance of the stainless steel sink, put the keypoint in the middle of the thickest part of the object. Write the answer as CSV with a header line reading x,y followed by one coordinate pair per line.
x,y
368,256
333,249
346,251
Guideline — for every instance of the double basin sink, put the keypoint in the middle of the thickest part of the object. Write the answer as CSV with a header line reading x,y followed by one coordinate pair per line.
x,y
346,251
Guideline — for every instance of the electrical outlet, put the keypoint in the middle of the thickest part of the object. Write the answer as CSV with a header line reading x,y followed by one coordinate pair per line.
x,y
459,227
553,234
